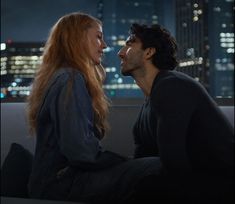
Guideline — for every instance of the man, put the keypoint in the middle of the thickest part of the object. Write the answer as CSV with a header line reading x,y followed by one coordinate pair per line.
x,y
179,121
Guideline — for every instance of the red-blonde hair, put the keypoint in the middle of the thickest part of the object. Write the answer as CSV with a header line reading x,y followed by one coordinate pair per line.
x,y
67,46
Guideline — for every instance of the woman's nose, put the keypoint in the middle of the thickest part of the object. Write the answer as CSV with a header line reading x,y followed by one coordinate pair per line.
x,y
104,45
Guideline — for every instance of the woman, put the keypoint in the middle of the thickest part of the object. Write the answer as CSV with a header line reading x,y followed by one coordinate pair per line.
x,y
67,111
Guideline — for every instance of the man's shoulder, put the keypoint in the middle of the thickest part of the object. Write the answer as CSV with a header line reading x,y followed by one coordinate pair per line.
x,y
175,79
174,75
175,85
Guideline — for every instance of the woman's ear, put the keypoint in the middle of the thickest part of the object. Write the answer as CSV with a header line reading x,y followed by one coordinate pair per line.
x,y
149,52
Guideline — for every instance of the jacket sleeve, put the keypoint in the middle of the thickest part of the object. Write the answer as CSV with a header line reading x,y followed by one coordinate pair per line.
x,y
73,118
173,102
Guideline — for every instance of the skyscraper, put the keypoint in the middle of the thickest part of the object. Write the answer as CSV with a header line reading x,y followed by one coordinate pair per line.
x,y
221,42
19,62
205,34
192,38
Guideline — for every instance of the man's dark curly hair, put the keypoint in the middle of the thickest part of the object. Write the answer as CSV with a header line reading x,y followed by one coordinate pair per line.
x,y
159,38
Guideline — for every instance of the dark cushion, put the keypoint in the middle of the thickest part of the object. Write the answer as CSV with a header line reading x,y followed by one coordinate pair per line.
x,y
15,172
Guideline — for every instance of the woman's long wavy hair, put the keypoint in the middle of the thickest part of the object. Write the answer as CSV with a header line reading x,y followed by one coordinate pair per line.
x,y
67,47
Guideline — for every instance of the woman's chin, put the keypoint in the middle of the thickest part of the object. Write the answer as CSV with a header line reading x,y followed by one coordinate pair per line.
x,y
97,62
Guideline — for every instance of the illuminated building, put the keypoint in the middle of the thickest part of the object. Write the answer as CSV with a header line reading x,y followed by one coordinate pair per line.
x,y
192,39
221,38
205,35
19,62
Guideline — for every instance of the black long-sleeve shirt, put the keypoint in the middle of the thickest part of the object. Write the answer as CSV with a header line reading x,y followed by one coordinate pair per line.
x,y
180,123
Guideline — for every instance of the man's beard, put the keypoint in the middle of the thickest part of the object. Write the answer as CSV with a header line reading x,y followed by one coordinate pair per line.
x,y
130,71
126,73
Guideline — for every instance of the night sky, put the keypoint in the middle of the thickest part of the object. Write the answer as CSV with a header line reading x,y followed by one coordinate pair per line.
x,y
31,20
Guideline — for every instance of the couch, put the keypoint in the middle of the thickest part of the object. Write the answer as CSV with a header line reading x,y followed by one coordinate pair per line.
x,y
14,136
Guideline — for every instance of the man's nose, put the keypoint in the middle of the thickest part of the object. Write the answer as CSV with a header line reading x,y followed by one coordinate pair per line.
x,y
120,53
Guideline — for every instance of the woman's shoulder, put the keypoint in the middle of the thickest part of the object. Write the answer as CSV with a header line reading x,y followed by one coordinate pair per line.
x,y
64,74
64,78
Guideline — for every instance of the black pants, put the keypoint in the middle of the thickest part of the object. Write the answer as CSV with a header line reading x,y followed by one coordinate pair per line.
x,y
184,189
140,181
113,185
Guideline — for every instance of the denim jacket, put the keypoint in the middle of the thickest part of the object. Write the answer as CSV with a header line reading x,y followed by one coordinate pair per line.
x,y
66,134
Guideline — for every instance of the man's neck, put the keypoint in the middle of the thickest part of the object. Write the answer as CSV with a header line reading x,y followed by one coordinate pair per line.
x,y
145,81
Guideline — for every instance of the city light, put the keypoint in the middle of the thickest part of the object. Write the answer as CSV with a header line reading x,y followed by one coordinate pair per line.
x,y
3,46
120,86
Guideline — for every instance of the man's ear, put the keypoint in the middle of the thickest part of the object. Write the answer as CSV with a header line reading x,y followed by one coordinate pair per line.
x,y
149,52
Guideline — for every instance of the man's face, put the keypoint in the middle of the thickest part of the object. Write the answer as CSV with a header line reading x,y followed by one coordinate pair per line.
x,y
131,56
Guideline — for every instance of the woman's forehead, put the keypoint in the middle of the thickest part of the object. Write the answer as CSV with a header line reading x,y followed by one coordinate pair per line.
x,y
97,27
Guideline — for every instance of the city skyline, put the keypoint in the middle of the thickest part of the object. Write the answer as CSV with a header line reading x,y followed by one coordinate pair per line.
x,y
205,33
116,23
188,21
